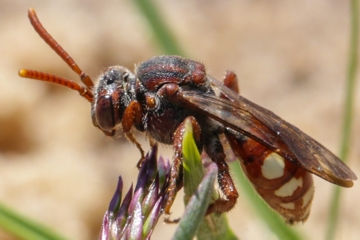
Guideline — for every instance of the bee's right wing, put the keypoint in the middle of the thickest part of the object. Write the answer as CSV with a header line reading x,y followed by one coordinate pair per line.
x,y
263,126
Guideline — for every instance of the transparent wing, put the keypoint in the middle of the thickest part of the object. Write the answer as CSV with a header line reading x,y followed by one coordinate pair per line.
x,y
262,125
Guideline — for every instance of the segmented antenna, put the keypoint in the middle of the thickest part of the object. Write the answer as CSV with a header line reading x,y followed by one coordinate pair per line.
x,y
86,91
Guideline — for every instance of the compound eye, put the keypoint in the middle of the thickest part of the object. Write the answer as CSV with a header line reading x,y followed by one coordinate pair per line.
x,y
104,113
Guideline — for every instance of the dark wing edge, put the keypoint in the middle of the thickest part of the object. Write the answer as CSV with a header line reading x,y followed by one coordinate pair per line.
x,y
243,116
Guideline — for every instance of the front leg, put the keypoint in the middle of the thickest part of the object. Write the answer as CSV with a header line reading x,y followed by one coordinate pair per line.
x,y
133,116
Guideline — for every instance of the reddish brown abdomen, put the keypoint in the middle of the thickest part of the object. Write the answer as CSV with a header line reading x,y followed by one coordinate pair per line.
x,y
286,187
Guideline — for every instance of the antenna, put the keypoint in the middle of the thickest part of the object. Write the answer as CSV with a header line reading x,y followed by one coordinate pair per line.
x,y
85,91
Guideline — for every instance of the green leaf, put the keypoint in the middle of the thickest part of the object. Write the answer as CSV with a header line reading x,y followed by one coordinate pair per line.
x,y
196,207
199,191
23,228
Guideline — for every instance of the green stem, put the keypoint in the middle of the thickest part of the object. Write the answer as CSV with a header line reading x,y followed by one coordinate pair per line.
x,y
164,37
199,191
348,114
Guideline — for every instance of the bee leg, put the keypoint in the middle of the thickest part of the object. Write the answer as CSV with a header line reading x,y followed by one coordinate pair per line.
x,y
132,116
176,172
231,81
214,149
152,142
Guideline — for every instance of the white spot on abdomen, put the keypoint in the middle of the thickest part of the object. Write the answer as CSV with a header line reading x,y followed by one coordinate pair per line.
x,y
308,196
273,166
289,188
290,206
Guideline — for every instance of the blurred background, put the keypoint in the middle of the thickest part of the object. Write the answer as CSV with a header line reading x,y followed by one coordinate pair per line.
x,y
55,167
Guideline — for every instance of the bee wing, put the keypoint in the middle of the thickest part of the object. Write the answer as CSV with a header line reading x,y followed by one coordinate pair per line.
x,y
262,125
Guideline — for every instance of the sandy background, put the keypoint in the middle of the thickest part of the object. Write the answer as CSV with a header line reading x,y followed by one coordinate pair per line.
x,y
57,168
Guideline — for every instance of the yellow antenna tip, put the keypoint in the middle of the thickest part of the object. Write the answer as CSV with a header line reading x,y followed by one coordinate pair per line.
x,y
23,73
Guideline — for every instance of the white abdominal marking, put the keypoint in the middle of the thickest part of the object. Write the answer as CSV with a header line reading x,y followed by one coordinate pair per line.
x,y
273,166
308,196
290,206
289,188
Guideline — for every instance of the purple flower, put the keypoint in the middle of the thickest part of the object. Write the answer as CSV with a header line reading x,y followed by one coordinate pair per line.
x,y
135,216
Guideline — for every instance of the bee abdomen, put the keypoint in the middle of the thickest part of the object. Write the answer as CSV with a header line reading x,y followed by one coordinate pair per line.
x,y
286,187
